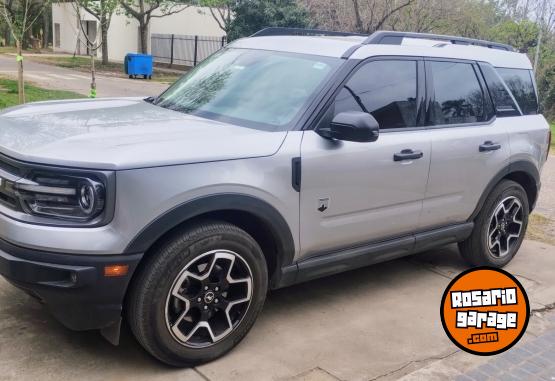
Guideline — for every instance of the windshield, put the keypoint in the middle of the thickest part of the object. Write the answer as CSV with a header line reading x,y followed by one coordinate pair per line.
x,y
252,88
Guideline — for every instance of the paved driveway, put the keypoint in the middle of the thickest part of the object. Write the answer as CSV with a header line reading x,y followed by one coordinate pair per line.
x,y
380,322
53,77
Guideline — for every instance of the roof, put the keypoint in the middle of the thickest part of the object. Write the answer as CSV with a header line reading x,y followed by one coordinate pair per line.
x,y
329,46
498,58
338,46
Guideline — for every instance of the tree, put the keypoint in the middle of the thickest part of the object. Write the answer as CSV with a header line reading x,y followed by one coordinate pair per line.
x,y
102,10
221,11
252,15
372,15
19,16
523,35
92,46
143,12
46,17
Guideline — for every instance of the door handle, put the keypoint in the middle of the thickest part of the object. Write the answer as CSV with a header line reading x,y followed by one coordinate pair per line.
x,y
488,146
408,154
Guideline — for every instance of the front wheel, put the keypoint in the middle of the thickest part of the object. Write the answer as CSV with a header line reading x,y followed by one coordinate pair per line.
x,y
198,295
499,227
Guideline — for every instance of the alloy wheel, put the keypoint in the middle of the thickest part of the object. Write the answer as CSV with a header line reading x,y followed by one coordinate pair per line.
x,y
505,227
209,298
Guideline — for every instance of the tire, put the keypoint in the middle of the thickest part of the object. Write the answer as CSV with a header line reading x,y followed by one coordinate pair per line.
x,y
175,267
493,241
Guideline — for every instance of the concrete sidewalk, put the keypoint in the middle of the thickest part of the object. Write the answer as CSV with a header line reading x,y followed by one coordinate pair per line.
x,y
380,322
53,77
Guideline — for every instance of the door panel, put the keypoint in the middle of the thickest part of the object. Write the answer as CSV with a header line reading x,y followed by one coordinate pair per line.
x,y
459,172
354,193
469,146
369,196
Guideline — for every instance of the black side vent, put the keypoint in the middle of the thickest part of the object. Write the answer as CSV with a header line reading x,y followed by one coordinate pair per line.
x,y
296,173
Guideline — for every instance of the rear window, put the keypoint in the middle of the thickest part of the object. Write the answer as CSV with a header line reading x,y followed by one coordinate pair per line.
x,y
458,96
521,84
504,102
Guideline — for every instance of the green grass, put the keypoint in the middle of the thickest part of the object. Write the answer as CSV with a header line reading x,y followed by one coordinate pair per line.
x,y
552,125
7,49
8,93
539,228
111,68
12,50
79,63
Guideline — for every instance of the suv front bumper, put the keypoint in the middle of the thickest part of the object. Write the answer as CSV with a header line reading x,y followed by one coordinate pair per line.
x,y
73,287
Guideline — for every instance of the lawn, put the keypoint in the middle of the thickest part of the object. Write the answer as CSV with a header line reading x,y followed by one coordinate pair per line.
x,y
552,125
8,93
13,50
111,68
7,49
78,62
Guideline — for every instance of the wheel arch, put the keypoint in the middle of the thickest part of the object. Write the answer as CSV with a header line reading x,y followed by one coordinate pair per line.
x,y
257,217
524,173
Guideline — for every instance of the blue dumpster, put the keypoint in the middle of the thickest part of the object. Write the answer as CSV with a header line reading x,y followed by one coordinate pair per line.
x,y
138,64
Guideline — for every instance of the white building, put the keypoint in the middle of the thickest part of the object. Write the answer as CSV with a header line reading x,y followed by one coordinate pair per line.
x,y
123,35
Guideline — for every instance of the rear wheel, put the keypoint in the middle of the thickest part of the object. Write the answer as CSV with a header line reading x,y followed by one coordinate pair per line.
x,y
198,295
499,227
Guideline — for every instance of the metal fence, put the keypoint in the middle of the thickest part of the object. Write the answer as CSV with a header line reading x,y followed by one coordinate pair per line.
x,y
184,50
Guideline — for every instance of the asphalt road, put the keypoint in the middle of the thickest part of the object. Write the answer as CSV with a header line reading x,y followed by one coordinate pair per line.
x,y
53,77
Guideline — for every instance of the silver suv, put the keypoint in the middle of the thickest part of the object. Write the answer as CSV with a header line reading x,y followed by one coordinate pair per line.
x,y
284,157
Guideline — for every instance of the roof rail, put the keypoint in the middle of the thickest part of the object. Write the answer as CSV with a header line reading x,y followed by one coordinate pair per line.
x,y
278,31
396,38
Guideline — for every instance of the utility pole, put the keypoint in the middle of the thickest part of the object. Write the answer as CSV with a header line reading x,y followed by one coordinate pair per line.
x,y
540,34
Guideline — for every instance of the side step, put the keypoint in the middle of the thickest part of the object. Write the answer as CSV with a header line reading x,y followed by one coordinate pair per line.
x,y
330,263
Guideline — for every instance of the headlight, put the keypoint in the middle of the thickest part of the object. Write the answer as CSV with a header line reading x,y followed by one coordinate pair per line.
x,y
49,195
73,198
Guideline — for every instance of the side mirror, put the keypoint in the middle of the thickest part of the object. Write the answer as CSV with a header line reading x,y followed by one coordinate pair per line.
x,y
352,126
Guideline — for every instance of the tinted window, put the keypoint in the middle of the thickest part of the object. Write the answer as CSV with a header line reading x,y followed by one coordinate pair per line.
x,y
504,103
386,89
521,85
458,95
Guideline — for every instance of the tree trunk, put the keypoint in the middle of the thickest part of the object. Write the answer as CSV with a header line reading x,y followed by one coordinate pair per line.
x,y
24,42
20,83
104,39
45,29
358,18
7,36
143,30
93,73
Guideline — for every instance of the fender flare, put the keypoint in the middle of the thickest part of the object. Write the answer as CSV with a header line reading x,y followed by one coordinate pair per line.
x,y
518,166
273,220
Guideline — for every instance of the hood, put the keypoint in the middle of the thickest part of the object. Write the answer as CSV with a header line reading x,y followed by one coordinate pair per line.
x,y
124,133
